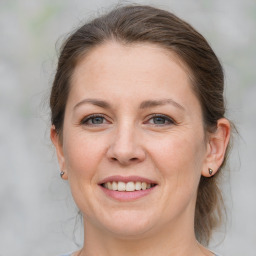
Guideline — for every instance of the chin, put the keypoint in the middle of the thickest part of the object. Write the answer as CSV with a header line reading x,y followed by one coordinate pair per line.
x,y
133,232
128,225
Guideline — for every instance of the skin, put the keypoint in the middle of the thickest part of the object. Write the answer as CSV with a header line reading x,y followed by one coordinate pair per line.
x,y
129,141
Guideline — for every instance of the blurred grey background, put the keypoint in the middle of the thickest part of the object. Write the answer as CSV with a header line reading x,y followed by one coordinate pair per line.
x,y
37,214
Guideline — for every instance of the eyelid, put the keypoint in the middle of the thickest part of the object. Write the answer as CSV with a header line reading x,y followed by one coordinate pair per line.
x,y
169,119
89,117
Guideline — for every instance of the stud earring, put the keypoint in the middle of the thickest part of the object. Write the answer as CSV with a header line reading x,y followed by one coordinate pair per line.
x,y
62,173
210,171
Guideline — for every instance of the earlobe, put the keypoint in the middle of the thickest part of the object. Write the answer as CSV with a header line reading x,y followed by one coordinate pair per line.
x,y
216,149
63,175
59,150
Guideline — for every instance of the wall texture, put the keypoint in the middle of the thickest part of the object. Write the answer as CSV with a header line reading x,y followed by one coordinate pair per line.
x,y
37,215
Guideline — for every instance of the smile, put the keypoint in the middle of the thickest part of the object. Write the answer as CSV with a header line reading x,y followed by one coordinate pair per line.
x,y
127,186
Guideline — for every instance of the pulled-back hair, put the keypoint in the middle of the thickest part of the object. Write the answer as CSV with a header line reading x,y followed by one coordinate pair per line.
x,y
145,24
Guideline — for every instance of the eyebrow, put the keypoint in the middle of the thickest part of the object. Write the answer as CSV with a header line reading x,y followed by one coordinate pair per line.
x,y
96,102
143,105
161,102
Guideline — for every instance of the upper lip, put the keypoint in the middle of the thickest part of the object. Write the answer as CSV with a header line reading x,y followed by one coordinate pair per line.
x,y
126,179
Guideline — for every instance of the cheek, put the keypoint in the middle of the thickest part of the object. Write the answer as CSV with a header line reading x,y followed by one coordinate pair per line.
x,y
179,159
82,154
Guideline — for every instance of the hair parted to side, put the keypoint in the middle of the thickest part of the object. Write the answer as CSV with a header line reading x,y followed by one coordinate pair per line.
x,y
145,24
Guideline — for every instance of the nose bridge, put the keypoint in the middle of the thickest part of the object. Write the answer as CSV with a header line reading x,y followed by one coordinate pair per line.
x,y
125,136
126,145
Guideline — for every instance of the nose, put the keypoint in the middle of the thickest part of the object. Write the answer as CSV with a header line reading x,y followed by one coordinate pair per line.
x,y
125,147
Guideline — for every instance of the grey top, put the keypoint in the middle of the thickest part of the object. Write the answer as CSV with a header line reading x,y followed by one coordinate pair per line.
x,y
71,254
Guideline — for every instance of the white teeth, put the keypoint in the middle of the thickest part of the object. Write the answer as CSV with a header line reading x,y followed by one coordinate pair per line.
x,y
109,185
138,185
120,186
129,186
114,185
143,185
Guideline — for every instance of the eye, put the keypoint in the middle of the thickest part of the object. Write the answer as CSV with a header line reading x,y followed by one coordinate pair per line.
x,y
160,120
93,120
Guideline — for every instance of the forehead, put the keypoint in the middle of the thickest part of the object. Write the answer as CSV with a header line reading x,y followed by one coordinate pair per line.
x,y
143,56
136,70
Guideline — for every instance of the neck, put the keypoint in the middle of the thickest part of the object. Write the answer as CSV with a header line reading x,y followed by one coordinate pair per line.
x,y
165,242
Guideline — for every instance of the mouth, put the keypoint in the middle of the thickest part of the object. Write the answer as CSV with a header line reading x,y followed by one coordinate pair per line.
x,y
129,186
126,189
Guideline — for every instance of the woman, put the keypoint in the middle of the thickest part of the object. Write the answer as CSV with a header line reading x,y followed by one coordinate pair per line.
x,y
140,134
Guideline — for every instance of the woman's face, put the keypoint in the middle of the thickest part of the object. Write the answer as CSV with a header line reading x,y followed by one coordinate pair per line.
x,y
132,120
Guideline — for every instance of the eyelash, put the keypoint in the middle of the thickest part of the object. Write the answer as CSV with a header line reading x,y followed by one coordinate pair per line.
x,y
91,117
168,119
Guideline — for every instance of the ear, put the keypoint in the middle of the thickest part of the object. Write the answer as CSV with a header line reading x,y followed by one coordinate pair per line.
x,y
55,138
216,147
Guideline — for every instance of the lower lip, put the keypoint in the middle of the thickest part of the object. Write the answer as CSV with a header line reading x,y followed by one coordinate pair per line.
x,y
127,195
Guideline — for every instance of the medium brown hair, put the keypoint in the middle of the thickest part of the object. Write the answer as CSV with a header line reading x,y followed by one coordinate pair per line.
x,y
145,24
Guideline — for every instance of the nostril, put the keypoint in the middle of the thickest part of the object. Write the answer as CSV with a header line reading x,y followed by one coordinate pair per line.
x,y
124,161
132,159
